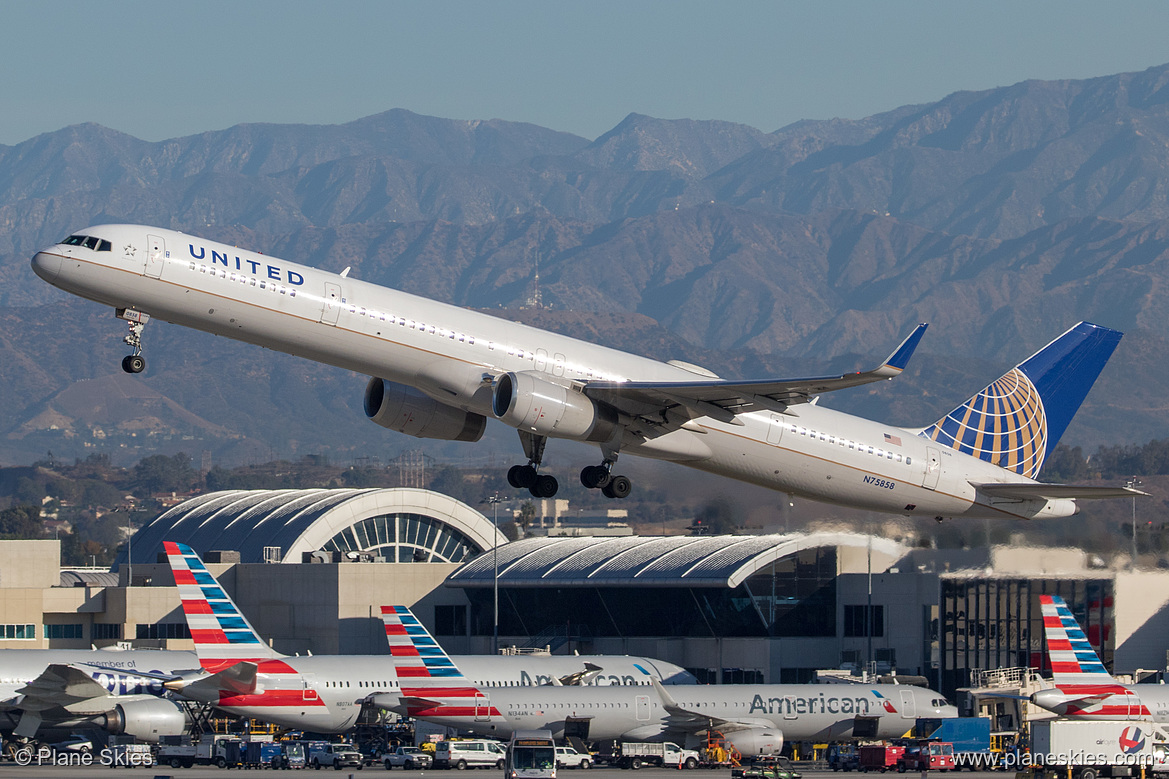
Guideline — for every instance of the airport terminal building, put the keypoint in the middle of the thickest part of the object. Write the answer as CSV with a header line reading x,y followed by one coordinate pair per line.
x,y
311,569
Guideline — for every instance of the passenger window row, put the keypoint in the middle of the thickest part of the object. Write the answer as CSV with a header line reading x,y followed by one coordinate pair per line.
x,y
859,447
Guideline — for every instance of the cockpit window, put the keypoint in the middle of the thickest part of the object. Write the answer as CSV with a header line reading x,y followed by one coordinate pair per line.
x,y
89,242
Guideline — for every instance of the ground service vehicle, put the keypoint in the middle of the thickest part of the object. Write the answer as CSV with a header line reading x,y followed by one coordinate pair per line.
x,y
971,739
531,754
879,757
927,756
477,753
635,754
407,757
772,768
338,756
843,756
1088,749
568,757
211,750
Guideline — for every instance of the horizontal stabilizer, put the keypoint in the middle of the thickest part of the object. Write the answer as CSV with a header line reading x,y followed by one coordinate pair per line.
x,y
1039,491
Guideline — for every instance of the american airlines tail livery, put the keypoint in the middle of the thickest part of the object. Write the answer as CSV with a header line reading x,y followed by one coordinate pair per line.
x,y
325,693
440,371
1083,688
756,718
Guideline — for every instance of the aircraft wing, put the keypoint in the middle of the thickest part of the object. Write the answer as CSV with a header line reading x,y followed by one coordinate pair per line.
x,y
584,676
682,719
722,400
1039,491
61,686
238,679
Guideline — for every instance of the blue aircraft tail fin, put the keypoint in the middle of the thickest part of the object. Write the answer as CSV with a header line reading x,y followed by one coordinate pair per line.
x,y
1017,421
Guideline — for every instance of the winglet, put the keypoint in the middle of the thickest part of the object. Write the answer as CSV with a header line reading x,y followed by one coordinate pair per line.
x,y
900,357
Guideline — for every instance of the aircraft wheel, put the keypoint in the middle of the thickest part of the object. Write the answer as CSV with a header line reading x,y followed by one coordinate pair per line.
x,y
133,363
545,486
594,476
521,476
618,487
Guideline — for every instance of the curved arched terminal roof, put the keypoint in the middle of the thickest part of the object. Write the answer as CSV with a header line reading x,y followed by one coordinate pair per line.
x,y
647,561
401,524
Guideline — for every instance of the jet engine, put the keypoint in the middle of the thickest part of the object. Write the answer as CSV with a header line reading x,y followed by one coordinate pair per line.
x,y
533,404
407,410
146,719
757,741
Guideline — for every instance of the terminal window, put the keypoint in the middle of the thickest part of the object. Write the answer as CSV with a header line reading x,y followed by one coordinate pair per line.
x,y
450,620
163,630
17,632
856,623
103,630
64,631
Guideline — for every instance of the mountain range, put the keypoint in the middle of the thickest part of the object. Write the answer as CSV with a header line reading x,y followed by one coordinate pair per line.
x,y
1001,217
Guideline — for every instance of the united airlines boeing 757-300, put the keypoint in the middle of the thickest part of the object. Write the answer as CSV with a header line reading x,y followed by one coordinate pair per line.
x,y
440,371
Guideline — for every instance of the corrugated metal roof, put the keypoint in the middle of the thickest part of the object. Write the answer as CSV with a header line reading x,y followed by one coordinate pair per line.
x,y
643,561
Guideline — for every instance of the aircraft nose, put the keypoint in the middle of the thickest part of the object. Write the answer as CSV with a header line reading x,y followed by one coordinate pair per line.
x,y
46,265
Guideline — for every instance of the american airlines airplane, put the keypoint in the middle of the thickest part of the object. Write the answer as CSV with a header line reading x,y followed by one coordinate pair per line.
x,y
756,718
325,693
439,371
51,693
1083,687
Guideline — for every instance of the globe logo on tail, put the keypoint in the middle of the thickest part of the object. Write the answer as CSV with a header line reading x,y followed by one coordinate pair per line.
x,y
1005,424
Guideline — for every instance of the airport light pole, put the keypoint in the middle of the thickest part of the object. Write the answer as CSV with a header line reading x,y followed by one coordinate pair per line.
x,y
1134,484
494,500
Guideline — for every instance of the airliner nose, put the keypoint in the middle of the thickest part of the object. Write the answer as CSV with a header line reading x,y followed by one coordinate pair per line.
x,y
46,265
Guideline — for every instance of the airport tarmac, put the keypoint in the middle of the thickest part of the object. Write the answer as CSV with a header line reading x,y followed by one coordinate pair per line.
x,y
66,772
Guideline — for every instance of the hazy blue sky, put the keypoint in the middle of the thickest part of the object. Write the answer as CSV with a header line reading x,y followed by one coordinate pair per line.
x,y
162,69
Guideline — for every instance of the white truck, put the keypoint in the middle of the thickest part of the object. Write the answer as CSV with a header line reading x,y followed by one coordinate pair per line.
x,y
211,750
1092,749
635,754
337,756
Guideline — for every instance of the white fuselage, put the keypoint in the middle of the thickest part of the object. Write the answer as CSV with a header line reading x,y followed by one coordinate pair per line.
x,y
452,354
799,711
325,693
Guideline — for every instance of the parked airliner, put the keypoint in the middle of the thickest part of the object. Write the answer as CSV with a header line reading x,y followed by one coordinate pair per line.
x,y
756,718
51,693
440,371
1083,687
325,693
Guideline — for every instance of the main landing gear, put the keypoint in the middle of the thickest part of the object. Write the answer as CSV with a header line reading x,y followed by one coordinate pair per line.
x,y
528,477
543,485
601,477
133,363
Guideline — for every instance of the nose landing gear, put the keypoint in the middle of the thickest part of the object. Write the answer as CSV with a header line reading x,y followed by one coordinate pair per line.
x,y
134,363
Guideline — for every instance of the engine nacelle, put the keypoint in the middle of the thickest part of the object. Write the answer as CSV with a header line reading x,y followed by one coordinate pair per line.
x,y
533,404
757,741
147,719
407,410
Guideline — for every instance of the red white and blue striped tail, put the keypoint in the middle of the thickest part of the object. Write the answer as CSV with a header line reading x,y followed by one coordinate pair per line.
x,y
417,656
218,628
1073,660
